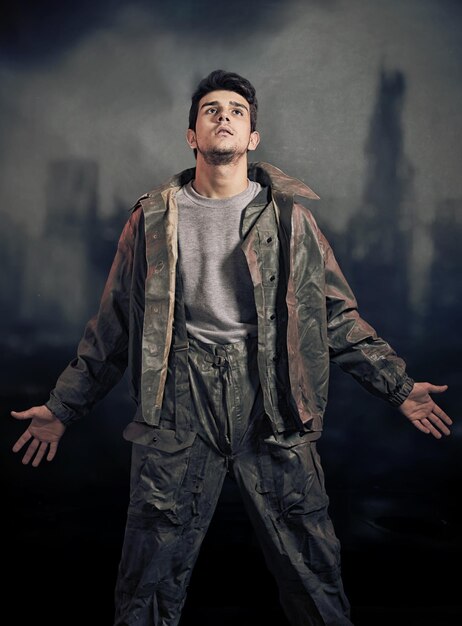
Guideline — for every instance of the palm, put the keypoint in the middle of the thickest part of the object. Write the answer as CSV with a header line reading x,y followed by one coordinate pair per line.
x,y
44,430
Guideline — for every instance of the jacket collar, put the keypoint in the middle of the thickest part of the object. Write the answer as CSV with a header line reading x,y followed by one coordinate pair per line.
x,y
264,173
270,176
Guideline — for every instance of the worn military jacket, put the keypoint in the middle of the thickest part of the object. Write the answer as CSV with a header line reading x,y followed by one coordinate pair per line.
x,y
306,312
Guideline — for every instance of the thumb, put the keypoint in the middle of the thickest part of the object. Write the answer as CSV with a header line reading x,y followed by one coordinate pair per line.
x,y
436,388
23,415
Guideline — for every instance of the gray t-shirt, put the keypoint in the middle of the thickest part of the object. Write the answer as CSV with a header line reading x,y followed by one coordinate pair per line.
x,y
218,290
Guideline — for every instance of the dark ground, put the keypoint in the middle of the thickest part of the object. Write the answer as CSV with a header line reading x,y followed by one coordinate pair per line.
x,y
394,505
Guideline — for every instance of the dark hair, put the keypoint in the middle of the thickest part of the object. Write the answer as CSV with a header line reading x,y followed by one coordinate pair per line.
x,y
228,81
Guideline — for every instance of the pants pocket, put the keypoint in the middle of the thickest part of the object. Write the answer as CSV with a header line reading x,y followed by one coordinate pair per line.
x,y
158,469
293,482
292,474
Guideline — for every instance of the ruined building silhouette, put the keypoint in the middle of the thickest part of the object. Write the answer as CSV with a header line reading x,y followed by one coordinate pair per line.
x,y
444,288
66,266
379,237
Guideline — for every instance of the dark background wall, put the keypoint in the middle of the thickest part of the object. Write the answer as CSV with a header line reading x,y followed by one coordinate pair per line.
x,y
362,101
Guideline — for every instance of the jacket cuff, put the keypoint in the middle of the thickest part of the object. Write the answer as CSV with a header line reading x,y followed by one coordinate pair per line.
x,y
401,392
61,411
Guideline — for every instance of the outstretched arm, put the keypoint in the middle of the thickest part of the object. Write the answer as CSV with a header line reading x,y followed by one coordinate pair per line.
x,y
45,431
423,412
355,346
100,362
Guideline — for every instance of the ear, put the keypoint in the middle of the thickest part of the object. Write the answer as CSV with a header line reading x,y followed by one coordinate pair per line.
x,y
191,138
254,140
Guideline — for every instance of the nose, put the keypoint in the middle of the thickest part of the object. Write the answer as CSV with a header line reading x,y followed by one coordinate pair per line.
x,y
223,117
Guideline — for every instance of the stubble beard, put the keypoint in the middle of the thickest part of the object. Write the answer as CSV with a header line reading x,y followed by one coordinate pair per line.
x,y
221,156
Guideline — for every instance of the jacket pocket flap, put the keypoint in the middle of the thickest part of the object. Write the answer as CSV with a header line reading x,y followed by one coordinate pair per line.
x,y
290,440
160,438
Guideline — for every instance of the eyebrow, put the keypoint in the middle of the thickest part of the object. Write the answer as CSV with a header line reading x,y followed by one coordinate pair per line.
x,y
233,102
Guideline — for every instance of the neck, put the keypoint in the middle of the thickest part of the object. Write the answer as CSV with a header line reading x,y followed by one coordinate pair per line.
x,y
220,181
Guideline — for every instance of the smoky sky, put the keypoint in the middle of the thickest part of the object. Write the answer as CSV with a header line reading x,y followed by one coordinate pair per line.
x,y
111,82
35,32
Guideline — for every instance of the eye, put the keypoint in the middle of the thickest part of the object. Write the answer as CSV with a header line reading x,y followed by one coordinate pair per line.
x,y
238,111
211,110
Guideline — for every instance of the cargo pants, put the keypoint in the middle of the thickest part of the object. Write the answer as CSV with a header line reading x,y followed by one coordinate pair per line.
x,y
176,483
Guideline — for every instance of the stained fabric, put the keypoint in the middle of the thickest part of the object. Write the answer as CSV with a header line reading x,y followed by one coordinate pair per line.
x,y
306,316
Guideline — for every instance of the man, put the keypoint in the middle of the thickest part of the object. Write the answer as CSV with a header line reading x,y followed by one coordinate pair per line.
x,y
227,304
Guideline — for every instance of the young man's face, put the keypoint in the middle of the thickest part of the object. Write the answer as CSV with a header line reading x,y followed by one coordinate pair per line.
x,y
222,132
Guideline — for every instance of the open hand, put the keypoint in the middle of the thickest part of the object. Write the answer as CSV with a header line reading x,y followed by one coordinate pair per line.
x,y
425,414
45,431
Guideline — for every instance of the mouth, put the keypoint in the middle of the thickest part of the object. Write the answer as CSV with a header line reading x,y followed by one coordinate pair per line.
x,y
223,131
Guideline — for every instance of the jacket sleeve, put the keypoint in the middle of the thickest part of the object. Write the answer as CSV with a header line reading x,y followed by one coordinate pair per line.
x,y
102,353
354,344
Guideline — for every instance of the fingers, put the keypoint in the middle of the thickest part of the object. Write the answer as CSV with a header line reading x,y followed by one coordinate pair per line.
x,y
432,424
433,431
435,418
39,448
24,438
418,424
444,429
438,411
52,450
40,454
34,444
